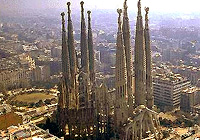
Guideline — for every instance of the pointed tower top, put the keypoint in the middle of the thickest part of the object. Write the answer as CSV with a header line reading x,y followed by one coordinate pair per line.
x,y
83,44
89,19
65,53
119,19
146,18
68,3
119,11
89,12
69,10
82,3
63,21
125,4
139,8
89,15
82,10
125,9
62,14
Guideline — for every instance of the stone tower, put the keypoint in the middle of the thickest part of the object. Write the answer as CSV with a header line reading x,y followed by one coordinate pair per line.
x,y
149,86
65,66
121,111
129,65
140,61
84,45
77,115
91,49
91,60
84,80
72,59
144,122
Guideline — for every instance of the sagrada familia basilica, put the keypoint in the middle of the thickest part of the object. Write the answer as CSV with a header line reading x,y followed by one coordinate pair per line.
x,y
89,111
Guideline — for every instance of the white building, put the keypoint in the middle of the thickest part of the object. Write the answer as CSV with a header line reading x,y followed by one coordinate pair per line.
x,y
167,89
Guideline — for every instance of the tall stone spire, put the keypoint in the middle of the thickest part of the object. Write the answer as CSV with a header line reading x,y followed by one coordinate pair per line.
x,y
127,44
71,46
65,53
149,85
84,47
140,62
121,76
72,58
65,91
91,50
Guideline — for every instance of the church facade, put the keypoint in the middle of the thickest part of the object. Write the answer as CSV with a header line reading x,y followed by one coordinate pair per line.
x,y
85,110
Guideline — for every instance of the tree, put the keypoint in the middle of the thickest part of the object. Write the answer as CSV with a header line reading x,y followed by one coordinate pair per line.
x,y
165,134
47,101
40,103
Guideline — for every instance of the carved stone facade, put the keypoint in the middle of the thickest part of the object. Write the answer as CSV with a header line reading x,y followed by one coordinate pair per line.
x,y
138,121
77,116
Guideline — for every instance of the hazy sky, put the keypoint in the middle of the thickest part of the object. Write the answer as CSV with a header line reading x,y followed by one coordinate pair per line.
x,y
183,6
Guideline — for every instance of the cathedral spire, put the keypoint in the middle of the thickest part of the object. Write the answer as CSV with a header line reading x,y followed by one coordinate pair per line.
x,y
91,49
84,47
149,86
147,18
64,98
120,76
125,9
72,58
129,65
65,53
71,46
139,8
140,62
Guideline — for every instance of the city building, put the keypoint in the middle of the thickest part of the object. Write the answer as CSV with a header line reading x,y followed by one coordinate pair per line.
x,y
191,72
56,51
26,131
189,99
17,71
167,89
41,73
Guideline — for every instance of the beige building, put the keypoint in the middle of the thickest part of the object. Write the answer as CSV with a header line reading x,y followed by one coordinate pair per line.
x,y
167,89
192,73
189,99
42,73
17,71
15,78
27,62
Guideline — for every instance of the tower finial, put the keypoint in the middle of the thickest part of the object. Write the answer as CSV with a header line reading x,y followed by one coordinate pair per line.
x,y
146,18
119,11
139,7
91,53
68,4
125,5
89,19
62,14
89,12
63,21
125,9
82,3
84,44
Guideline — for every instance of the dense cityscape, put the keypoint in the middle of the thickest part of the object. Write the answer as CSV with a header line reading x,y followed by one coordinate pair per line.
x,y
99,74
